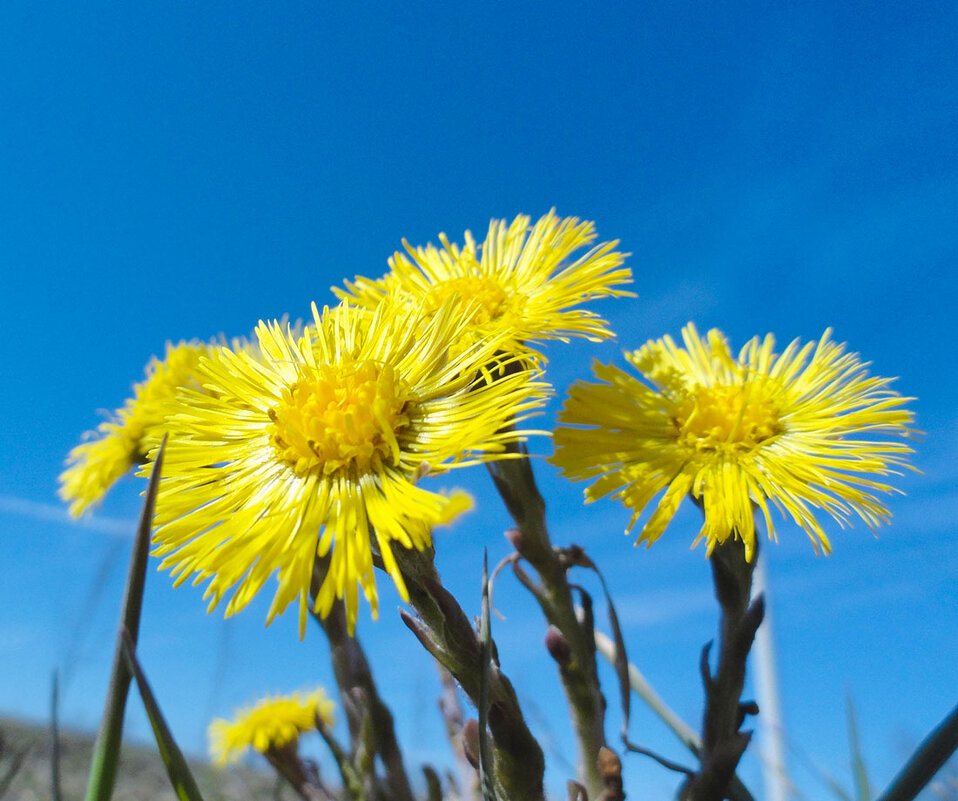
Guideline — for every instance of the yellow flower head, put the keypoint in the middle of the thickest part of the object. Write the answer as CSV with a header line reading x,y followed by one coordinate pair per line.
x,y
804,429
271,723
117,444
517,280
314,444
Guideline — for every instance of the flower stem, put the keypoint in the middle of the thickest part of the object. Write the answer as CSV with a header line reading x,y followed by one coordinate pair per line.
x,y
444,630
367,714
516,484
454,719
722,742
286,762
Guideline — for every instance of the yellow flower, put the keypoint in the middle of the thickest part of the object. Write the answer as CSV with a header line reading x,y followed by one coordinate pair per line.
x,y
517,280
119,443
314,444
271,723
459,503
801,430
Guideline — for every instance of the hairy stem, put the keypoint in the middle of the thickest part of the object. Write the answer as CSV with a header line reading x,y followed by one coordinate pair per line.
x,y
516,484
722,742
444,630
370,721
455,722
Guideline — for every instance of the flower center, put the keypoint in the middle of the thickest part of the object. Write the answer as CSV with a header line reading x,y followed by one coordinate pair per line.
x,y
490,295
727,418
341,417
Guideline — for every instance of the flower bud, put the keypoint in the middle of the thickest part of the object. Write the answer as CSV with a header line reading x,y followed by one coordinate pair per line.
x,y
515,538
470,741
558,646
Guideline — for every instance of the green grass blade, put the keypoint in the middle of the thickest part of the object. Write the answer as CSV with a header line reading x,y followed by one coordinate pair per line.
x,y
485,644
934,751
106,753
862,788
176,768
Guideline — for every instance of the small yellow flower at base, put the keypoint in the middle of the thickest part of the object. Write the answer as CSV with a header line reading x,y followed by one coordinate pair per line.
x,y
271,723
802,430
314,445
516,281
117,444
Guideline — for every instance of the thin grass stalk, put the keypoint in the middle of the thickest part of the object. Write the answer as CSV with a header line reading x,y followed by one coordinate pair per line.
x,y
863,790
641,687
184,785
935,750
106,753
485,668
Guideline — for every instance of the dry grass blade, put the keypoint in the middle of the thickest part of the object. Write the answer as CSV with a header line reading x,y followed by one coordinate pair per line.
x,y
106,754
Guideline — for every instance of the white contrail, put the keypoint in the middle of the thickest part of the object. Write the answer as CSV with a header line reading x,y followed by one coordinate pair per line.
x,y
52,513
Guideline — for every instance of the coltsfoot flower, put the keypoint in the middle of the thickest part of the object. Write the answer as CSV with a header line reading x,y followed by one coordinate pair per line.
x,y
117,444
802,430
517,280
311,445
270,724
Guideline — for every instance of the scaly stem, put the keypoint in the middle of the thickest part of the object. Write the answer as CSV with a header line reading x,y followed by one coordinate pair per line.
x,y
445,631
516,484
452,715
367,715
722,742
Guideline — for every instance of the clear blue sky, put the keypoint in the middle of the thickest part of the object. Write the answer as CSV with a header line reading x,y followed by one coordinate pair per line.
x,y
168,172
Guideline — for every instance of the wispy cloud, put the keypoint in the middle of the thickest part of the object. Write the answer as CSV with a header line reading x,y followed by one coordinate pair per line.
x,y
52,513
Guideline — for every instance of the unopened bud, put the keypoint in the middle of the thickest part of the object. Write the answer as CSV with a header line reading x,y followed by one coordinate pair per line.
x,y
746,708
470,742
609,764
515,538
558,646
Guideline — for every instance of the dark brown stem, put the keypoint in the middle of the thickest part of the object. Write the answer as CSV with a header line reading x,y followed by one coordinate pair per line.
x,y
286,762
370,721
444,630
722,742
516,484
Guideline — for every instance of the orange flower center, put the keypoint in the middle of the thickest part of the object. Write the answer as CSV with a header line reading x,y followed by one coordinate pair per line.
x,y
341,417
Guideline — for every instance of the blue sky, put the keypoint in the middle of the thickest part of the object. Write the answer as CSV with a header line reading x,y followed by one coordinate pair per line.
x,y
169,172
